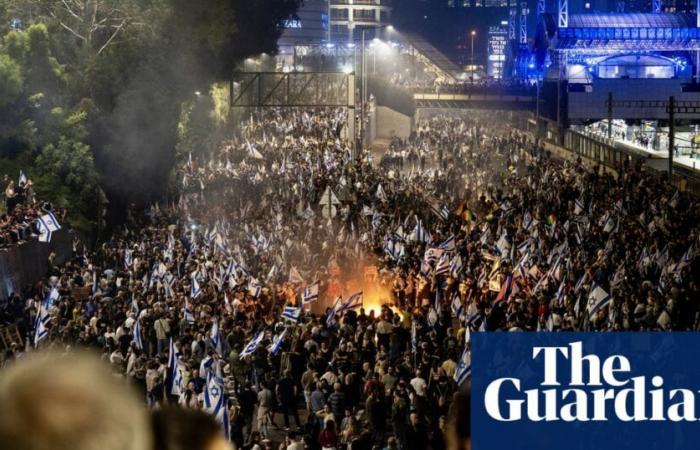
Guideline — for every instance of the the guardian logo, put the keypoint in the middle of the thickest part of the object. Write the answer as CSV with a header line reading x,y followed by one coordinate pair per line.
x,y
592,390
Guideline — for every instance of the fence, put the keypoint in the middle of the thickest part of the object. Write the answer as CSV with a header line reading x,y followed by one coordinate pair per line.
x,y
602,151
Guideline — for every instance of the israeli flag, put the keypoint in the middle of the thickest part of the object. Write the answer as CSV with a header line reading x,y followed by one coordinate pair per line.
x,y
51,298
579,283
254,288
134,306
432,254
456,305
381,195
138,335
128,258
560,293
597,299
277,342
215,402
456,266
195,290
40,321
215,338
206,366
523,246
579,206
449,244
464,368
310,293
609,224
291,313
187,312
443,265
352,302
47,224
390,248
175,368
252,345
419,234
330,315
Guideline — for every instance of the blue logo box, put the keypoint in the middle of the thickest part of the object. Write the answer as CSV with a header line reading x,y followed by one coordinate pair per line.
x,y
585,391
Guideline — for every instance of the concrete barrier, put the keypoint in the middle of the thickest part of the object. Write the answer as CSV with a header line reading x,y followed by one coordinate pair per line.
x,y
27,263
390,123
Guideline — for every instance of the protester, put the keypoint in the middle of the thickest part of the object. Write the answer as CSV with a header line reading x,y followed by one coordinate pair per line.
x,y
186,429
68,402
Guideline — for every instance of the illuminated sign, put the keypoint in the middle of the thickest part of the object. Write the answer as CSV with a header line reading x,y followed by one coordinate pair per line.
x,y
498,39
292,23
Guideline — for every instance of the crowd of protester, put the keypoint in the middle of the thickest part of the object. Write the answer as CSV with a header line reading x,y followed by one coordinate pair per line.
x,y
469,226
18,221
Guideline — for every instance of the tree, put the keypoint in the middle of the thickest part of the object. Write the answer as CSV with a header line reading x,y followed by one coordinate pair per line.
x,y
10,80
130,66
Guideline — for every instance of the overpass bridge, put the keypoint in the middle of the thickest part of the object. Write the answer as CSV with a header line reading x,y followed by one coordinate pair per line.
x,y
493,99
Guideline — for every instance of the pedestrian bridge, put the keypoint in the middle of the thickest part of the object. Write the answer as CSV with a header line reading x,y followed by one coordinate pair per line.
x,y
483,99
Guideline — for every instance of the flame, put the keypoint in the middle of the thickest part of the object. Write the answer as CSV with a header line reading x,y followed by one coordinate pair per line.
x,y
376,296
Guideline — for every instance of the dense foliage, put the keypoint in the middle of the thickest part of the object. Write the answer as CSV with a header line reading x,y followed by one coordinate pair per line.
x,y
99,94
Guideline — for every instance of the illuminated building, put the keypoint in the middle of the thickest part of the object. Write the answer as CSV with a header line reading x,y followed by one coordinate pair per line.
x,y
350,17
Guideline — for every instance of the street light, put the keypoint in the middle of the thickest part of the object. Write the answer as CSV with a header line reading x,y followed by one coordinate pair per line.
x,y
363,84
473,33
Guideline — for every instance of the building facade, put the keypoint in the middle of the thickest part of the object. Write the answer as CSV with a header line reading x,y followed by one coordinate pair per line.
x,y
310,25
349,18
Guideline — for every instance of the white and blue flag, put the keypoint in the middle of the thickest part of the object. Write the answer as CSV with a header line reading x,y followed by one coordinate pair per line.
x,y
419,234
138,335
40,330
449,244
187,312
51,298
215,338
310,293
464,368
128,258
196,290
215,402
352,302
443,265
252,345
277,342
456,266
254,288
175,368
291,313
597,299
47,224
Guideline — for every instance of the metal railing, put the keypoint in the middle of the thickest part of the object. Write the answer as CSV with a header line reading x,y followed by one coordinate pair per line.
x,y
595,148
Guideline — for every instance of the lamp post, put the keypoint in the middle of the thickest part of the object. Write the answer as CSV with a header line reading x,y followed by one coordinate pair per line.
x,y
363,85
473,33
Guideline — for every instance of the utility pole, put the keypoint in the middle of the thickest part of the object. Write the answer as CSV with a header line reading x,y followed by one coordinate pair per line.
x,y
473,33
671,136
362,95
610,114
